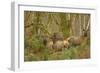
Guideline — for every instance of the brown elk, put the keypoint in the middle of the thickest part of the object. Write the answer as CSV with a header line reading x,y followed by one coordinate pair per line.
x,y
77,40
61,44
48,43
55,42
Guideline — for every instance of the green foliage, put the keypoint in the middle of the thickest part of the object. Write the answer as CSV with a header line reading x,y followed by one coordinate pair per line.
x,y
68,53
47,23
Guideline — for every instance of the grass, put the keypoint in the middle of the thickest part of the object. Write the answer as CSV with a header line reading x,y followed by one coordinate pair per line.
x,y
42,54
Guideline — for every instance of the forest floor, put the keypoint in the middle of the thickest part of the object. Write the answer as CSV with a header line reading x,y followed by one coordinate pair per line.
x,y
78,52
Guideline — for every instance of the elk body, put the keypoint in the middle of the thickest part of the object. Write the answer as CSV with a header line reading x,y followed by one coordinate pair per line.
x,y
84,37
60,45
48,43
77,40
56,42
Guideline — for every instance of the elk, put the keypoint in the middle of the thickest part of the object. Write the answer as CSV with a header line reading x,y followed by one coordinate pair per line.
x,y
77,40
48,43
59,42
58,45
56,42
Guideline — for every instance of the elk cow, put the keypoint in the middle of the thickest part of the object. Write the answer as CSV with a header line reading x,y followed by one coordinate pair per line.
x,y
58,45
61,44
77,40
55,42
58,42
48,43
